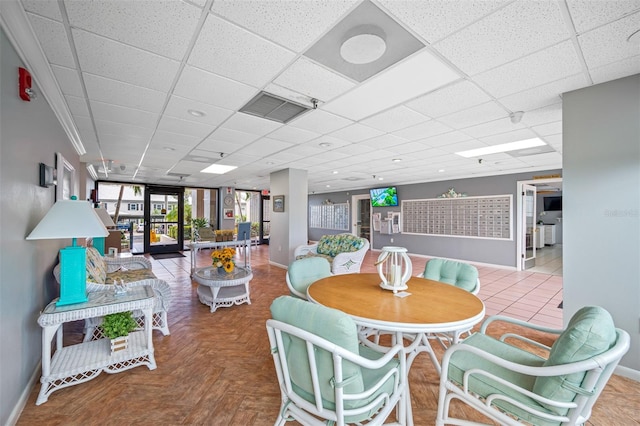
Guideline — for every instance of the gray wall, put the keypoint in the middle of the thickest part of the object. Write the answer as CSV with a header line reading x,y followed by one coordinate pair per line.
x,y
601,145
29,134
497,252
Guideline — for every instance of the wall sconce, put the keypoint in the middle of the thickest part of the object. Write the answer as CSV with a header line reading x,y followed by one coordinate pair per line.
x,y
47,175
24,85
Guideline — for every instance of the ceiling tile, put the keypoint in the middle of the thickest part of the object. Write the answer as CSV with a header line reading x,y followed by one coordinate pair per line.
x,y
514,31
544,115
54,41
445,139
423,130
546,94
608,43
191,128
124,94
118,114
265,146
68,80
291,24
624,68
163,139
108,58
218,146
122,131
230,51
314,81
542,67
356,133
383,142
475,115
78,106
494,127
49,9
548,129
514,136
395,119
162,27
454,97
213,89
179,107
320,122
588,14
293,135
233,136
251,124
435,19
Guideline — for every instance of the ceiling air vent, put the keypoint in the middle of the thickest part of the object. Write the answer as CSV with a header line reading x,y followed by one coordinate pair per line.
x,y
273,108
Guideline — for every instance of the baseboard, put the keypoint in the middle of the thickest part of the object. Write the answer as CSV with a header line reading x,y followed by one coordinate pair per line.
x,y
272,263
24,396
627,372
490,265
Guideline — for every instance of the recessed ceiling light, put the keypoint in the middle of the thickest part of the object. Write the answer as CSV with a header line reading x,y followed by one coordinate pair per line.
x,y
168,148
218,169
441,171
269,163
397,160
328,186
325,144
335,172
380,178
196,113
363,48
505,147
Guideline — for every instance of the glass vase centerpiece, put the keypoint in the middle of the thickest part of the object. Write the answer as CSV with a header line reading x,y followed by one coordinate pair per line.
x,y
394,268
223,259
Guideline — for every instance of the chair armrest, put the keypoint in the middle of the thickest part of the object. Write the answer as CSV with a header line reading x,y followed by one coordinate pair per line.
x,y
349,262
305,249
133,262
527,325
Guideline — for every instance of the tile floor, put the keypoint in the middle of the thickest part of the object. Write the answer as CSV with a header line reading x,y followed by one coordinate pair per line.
x,y
549,260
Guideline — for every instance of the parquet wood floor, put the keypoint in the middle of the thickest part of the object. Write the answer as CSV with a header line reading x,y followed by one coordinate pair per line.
x,y
216,369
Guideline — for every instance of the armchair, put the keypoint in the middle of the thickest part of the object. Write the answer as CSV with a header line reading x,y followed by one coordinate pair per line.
x,y
344,252
512,382
303,272
324,374
104,271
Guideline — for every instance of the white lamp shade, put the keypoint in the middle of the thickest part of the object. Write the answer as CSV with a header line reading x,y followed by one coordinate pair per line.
x,y
104,217
69,219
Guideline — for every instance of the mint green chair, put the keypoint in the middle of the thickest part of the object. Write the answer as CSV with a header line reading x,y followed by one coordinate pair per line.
x,y
515,384
325,375
303,272
453,272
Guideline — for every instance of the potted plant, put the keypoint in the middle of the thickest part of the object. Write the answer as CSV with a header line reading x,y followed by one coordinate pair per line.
x,y
117,328
197,223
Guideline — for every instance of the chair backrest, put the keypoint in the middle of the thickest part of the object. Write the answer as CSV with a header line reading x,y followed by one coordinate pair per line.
x,y
303,272
452,272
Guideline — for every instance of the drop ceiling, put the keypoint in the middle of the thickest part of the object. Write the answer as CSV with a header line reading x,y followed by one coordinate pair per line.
x,y
155,87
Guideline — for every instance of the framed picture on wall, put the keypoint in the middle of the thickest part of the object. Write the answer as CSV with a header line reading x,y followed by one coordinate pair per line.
x,y
228,213
66,178
278,203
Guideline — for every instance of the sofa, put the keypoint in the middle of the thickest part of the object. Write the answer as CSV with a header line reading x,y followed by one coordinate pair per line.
x,y
104,271
345,252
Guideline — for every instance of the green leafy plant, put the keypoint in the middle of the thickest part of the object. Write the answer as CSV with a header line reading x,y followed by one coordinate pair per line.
x,y
118,324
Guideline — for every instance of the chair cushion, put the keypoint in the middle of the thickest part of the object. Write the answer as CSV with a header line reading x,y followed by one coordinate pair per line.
x,y
305,271
332,245
463,361
590,332
96,267
459,274
130,275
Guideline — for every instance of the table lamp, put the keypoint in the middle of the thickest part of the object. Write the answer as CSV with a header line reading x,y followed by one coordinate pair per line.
x,y
70,219
99,242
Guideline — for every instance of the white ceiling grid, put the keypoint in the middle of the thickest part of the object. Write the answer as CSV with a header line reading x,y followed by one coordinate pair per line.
x,y
132,74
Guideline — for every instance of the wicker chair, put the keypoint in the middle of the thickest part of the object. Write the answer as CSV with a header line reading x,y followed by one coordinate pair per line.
x,y
103,271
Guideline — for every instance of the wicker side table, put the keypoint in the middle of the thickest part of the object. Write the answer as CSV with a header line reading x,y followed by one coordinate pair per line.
x,y
223,290
82,362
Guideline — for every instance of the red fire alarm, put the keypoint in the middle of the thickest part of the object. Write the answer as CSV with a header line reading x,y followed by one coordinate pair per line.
x,y
24,85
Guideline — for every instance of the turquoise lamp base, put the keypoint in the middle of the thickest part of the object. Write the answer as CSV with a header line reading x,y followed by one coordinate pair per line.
x,y
73,276
98,244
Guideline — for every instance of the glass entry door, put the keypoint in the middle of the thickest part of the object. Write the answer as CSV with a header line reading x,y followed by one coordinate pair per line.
x,y
529,229
163,218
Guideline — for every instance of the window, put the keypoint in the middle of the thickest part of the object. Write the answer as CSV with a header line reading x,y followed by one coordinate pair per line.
x,y
158,206
132,206
104,206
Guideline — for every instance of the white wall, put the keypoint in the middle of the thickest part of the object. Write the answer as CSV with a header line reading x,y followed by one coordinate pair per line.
x,y
601,203
29,134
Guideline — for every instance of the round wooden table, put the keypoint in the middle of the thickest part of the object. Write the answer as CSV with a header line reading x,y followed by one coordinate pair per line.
x,y
430,307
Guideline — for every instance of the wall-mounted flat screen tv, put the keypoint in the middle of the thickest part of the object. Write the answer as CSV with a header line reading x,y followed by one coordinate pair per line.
x,y
552,203
384,197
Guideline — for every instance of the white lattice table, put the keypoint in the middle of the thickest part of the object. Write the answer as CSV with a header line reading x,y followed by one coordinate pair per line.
x,y
82,362
219,290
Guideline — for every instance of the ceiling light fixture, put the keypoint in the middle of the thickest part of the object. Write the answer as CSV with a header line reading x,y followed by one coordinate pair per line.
x,y
396,160
441,171
325,144
218,169
505,147
516,116
363,45
335,172
168,148
196,113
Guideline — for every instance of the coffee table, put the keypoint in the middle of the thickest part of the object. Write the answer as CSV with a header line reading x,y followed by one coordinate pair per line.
x,y
220,290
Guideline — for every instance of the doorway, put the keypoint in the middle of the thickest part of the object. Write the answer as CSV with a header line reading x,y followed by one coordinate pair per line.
x,y
361,216
163,219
